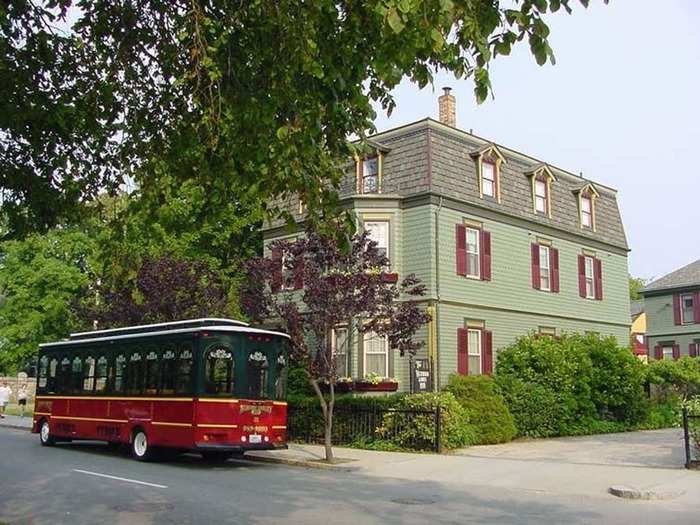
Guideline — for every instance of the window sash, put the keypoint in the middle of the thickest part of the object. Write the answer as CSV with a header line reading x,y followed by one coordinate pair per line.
x,y
370,175
586,211
545,271
687,310
667,352
473,253
488,178
340,352
379,233
590,281
375,346
474,351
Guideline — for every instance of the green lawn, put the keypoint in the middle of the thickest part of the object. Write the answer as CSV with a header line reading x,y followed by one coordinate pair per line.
x,y
14,410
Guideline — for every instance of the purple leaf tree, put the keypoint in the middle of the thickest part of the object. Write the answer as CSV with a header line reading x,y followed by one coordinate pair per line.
x,y
314,284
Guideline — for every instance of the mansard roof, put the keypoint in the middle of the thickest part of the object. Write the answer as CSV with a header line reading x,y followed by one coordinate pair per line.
x,y
685,277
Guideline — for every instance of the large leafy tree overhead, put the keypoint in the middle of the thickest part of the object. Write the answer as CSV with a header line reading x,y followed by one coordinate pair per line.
x,y
259,94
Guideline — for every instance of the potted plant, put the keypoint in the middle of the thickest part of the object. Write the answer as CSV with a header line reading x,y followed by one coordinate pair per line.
x,y
376,383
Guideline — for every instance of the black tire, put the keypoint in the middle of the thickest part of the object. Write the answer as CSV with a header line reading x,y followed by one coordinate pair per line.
x,y
141,450
45,436
215,456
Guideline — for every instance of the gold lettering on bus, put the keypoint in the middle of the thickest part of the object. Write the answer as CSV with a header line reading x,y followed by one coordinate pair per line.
x,y
251,428
256,410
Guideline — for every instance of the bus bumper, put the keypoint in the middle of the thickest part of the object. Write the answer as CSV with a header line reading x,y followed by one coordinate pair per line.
x,y
226,447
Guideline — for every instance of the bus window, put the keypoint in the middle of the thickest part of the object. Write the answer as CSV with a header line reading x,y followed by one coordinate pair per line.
x,y
119,369
218,378
101,374
257,374
43,372
89,375
76,376
152,371
51,383
281,377
183,378
134,374
168,371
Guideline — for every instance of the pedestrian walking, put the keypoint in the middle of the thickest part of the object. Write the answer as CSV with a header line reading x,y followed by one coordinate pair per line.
x,y
5,393
22,399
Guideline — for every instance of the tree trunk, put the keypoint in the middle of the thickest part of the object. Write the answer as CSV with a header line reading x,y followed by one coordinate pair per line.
x,y
327,409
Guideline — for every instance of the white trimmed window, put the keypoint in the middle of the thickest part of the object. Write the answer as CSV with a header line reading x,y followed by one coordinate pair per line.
x,y
488,178
339,345
473,253
590,279
379,233
667,352
545,270
370,175
540,195
376,354
687,308
586,211
474,347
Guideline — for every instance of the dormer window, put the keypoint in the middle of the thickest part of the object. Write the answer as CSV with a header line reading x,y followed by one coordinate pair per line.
x,y
488,178
489,160
586,206
541,177
586,211
541,197
370,175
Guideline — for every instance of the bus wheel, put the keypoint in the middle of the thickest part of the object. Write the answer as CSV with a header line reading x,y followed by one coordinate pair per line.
x,y
140,449
215,456
45,436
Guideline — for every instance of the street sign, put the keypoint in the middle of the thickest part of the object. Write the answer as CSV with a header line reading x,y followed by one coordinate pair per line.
x,y
421,378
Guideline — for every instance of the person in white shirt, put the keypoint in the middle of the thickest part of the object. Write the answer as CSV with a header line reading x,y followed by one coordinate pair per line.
x,y
22,398
5,393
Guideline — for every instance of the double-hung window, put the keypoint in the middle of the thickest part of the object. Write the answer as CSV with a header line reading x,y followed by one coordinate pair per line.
x,y
473,253
376,352
541,196
379,233
667,352
687,308
545,270
488,178
339,345
474,347
370,175
586,211
590,278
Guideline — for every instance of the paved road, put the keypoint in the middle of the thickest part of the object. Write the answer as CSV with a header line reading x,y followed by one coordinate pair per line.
x,y
66,484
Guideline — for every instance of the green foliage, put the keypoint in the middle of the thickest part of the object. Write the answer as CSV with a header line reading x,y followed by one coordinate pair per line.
x,y
576,384
39,278
257,96
636,285
662,415
693,408
485,408
676,377
455,431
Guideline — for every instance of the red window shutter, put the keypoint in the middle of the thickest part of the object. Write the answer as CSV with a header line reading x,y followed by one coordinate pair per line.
x,y
676,351
598,278
461,247
535,264
554,265
487,352
677,309
696,307
462,352
485,255
693,349
276,281
582,275
658,352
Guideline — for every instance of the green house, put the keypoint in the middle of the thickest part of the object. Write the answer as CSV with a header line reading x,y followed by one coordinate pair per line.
x,y
506,244
672,305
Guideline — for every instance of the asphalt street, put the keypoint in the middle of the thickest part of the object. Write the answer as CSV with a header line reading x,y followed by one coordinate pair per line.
x,y
85,483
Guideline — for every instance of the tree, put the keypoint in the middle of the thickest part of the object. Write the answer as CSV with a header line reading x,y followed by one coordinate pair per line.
x,y
636,286
260,96
40,277
312,285
164,289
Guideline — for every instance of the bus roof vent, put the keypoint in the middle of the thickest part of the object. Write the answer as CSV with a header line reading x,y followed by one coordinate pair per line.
x,y
157,327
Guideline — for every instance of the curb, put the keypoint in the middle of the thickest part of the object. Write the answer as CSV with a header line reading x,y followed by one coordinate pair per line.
x,y
15,427
625,492
300,463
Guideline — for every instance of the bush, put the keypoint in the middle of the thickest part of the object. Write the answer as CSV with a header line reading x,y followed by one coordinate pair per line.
x,y
485,409
662,415
455,432
676,378
693,406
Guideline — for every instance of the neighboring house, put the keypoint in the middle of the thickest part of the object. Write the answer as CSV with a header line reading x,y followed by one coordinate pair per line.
x,y
506,245
672,305
638,329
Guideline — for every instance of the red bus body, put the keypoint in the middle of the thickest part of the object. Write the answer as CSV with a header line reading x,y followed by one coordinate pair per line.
x,y
206,421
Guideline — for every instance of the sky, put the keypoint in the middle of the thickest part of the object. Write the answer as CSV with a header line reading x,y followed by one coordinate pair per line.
x,y
622,105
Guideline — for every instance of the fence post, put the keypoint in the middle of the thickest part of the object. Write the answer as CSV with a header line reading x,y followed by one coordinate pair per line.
x,y
686,437
438,445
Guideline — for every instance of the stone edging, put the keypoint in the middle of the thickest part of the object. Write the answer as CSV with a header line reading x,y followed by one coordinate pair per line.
x,y
623,491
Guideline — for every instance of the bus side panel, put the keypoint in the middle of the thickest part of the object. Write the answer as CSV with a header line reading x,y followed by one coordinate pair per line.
x,y
173,423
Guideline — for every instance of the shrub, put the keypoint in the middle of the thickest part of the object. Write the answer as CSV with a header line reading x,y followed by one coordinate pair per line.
x,y
485,409
662,415
455,432
693,406
676,378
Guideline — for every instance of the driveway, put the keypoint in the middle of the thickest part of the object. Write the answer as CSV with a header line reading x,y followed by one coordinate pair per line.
x,y
652,448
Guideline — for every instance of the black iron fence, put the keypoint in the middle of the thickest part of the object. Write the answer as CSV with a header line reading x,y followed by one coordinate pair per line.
x,y
691,435
380,428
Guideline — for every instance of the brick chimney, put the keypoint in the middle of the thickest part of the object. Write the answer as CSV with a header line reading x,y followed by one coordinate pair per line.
x,y
448,108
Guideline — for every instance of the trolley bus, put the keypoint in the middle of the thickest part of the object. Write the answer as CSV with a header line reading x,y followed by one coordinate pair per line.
x,y
215,386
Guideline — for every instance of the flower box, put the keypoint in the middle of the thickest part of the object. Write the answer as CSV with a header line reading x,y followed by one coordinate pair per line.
x,y
382,386
390,277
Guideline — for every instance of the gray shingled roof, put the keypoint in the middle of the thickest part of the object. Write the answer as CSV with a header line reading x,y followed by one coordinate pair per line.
x,y
687,276
636,308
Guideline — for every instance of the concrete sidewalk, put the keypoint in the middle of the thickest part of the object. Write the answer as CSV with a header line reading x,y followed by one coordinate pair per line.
x,y
554,474
17,422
